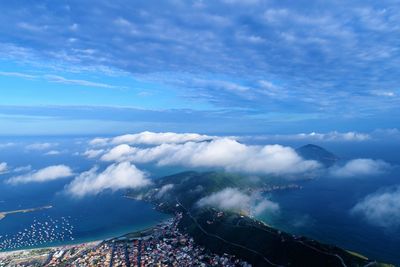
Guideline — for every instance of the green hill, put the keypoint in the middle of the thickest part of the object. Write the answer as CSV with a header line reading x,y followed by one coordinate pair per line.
x,y
314,152
230,232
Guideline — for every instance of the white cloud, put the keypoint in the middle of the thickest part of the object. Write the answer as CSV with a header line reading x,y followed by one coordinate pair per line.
x,y
223,153
360,167
150,138
5,145
235,200
265,206
227,199
383,93
53,153
40,146
247,2
23,168
119,153
93,153
117,176
60,79
17,74
43,175
314,136
381,208
164,189
3,167
98,141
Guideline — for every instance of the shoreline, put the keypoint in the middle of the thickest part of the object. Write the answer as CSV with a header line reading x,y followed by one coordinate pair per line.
x,y
27,250
3,214
86,241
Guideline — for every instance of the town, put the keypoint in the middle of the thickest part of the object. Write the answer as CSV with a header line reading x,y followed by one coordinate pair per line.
x,y
163,245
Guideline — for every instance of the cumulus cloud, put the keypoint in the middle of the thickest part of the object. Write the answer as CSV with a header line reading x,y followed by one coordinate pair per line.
x,y
119,153
235,200
227,199
151,138
381,208
3,167
115,177
98,141
223,153
360,167
43,175
93,153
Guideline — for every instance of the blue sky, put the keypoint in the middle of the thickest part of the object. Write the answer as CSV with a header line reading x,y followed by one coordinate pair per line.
x,y
224,66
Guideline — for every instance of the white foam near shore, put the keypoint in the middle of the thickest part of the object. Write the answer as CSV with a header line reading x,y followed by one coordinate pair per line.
x,y
27,252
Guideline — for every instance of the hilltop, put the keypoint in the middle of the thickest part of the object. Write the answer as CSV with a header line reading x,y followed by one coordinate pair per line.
x,y
320,154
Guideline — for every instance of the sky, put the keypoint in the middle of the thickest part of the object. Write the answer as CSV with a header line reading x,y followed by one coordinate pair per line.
x,y
223,66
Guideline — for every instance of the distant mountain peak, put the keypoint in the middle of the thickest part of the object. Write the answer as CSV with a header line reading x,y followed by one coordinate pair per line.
x,y
314,152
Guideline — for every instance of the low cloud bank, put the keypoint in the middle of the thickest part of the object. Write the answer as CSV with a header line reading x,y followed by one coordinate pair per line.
x,y
40,146
43,175
235,200
123,175
381,208
151,138
315,136
53,153
360,167
3,167
26,168
223,153
6,145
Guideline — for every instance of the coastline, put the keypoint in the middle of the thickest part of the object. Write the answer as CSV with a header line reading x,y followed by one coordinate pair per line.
x,y
27,250
3,214
89,240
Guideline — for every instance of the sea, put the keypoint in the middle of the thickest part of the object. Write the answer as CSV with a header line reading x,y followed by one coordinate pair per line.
x,y
71,220
320,210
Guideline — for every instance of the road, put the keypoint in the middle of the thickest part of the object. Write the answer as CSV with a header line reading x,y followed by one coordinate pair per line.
x,y
224,240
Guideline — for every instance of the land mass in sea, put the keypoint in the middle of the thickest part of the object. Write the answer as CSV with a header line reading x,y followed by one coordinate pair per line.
x,y
3,214
236,232
219,236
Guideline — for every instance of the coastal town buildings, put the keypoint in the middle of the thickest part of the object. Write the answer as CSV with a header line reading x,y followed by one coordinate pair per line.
x,y
163,245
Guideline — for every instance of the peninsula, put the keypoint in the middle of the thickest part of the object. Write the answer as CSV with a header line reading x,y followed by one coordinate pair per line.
x,y
237,232
3,214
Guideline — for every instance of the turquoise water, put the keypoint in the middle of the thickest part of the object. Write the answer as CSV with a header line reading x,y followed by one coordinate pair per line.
x,y
90,218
